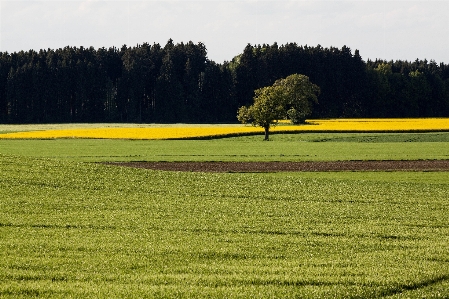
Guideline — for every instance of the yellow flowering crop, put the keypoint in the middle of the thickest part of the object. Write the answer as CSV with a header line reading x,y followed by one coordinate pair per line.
x,y
134,133
381,125
189,131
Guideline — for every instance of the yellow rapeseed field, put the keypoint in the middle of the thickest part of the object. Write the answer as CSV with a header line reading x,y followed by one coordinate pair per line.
x,y
199,131
382,124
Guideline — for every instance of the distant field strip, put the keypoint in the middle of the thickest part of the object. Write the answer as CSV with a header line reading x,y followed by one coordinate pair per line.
x,y
127,131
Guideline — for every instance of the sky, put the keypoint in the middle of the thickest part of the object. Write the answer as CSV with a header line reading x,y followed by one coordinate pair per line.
x,y
391,30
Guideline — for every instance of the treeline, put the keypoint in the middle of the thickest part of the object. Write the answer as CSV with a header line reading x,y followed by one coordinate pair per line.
x,y
178,83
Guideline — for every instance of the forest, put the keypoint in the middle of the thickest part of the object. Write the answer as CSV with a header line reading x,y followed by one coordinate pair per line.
x,y
178,83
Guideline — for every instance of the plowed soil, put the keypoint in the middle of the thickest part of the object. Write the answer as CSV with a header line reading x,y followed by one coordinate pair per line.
x,y
420,165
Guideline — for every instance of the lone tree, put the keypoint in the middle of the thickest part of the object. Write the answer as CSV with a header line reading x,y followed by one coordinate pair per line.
x,y
288,98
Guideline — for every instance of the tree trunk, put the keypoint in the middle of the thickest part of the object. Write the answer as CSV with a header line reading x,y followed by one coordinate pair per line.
x,y
267,131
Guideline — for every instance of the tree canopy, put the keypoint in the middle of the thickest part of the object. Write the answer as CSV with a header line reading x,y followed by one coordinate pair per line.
x,y
178,83
289,98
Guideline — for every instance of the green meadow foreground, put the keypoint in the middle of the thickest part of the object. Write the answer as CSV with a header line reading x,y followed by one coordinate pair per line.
x,y
84,230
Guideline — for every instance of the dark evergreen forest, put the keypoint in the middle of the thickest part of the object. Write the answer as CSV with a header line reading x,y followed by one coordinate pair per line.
x,y
178,83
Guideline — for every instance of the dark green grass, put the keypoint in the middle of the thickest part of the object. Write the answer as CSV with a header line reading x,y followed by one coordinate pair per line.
x,y
283,147
71,229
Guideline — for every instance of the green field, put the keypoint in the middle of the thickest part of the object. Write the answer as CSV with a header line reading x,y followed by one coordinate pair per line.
x,y
283,147
85,230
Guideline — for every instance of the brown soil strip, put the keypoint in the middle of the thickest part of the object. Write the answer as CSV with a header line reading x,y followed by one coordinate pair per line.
x,y
419,165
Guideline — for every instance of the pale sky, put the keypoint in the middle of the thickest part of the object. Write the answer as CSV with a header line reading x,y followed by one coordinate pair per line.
x,y
397,30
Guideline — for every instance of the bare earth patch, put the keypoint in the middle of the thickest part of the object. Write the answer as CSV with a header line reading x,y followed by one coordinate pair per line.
x,y
419,165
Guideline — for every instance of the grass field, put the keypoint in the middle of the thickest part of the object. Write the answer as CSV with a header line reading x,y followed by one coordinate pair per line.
x,y
85,230
283,147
